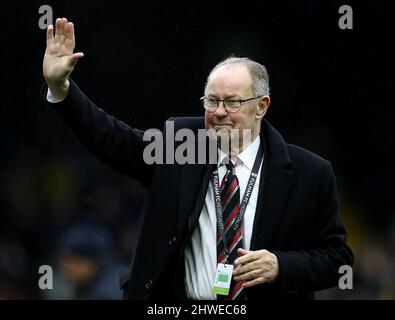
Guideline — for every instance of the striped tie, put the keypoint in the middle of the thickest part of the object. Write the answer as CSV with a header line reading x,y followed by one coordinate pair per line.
x,y
230,201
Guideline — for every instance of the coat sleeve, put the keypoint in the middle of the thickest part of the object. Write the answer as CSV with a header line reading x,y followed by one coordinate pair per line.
x,y
115,143
318,268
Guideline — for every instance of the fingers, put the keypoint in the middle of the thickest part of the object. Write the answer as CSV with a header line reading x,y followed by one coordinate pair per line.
x,y
242,251
63,29
254,282
246,268
256,267
250,267
50,34
247,274
64,33
248,256
60,32
57,30
70,29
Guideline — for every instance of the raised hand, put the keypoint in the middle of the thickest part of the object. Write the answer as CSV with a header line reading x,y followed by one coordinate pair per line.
x,y
59,58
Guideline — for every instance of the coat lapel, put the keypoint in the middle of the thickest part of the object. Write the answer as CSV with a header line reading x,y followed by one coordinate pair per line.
x,y
274,186
193,187
271,199
194,180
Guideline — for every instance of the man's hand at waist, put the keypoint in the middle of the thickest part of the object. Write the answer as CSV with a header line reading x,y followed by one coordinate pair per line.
x,y
255,267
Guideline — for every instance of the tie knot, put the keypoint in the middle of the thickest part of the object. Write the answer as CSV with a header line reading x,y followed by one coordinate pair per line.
x,y
230,166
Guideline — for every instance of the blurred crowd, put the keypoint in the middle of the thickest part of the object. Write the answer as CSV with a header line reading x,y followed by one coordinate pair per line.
x,y
73,214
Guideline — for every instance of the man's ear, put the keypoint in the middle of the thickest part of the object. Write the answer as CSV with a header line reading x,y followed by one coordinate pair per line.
x,y
262,107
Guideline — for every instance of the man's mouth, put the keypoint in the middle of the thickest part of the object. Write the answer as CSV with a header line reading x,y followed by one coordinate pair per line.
x,y
222,125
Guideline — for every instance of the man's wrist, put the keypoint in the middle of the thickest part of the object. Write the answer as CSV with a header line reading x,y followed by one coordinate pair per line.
x,y
57,91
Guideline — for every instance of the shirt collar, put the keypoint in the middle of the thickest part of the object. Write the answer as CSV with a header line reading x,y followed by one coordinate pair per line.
x,y
247,156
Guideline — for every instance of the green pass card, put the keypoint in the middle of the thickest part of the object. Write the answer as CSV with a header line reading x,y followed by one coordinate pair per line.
x,y
223,277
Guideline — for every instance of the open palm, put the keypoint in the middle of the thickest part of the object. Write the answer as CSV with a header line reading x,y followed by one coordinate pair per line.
x,y
59,59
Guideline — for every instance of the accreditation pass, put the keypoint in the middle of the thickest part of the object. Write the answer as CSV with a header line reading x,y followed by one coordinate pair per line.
x,y
223,277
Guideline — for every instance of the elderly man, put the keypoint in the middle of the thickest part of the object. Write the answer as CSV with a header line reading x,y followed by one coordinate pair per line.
x,y
261,222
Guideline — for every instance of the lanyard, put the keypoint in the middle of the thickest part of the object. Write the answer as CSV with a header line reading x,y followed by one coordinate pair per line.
x,y
244,202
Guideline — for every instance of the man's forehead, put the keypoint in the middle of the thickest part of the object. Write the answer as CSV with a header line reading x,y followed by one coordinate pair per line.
x,y
230,78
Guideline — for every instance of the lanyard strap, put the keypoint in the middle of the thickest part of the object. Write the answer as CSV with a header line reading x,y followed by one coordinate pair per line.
x,y
246,198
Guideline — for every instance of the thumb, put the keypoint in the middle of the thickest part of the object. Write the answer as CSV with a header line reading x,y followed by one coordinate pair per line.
x,y
74,58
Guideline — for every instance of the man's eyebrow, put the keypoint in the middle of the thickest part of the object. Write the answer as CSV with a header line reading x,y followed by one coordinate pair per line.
x,y
233,96
227,97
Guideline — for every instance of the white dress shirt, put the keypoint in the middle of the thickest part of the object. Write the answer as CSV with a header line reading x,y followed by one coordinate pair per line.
x,y
201,253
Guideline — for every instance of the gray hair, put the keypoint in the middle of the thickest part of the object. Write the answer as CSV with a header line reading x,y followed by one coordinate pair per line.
x,y
259,75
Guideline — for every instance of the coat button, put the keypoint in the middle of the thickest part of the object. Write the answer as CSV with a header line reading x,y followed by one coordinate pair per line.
x,y
172,241
148,285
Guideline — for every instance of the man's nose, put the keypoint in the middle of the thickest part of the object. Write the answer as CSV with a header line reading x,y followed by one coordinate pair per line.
x,y
221,110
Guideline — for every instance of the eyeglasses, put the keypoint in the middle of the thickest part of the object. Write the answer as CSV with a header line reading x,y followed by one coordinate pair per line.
x,y
231,105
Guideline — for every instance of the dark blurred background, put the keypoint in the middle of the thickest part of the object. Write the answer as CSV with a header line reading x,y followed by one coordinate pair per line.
x,y
332,93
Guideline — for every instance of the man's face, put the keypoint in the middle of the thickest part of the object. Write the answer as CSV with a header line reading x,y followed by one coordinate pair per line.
x,y
233,82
